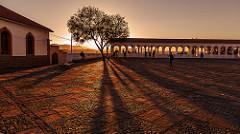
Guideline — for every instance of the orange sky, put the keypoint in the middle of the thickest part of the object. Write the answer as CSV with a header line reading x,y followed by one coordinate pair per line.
x,y
147,18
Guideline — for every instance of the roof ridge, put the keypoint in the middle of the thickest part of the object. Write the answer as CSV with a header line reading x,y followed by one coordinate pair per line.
x,y
14,16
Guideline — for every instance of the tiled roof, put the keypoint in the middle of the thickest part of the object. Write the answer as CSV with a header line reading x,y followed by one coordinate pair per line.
x,y
13,16
149,40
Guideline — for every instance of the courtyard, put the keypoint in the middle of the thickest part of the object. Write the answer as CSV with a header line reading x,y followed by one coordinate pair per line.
x,y
123,96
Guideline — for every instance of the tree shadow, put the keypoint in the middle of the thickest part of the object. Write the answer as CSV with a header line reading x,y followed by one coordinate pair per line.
x,y
110,98
180,89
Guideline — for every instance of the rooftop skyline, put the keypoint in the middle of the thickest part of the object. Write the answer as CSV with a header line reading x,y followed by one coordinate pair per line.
x,y
217,19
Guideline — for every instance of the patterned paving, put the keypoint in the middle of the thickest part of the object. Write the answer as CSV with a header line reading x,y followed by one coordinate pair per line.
x,y
123,96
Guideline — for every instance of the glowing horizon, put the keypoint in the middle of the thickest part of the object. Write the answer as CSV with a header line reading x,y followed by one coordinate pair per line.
x,y
215,19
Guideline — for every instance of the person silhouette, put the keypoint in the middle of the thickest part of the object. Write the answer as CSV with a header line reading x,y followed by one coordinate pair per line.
x,y
171,58
82,54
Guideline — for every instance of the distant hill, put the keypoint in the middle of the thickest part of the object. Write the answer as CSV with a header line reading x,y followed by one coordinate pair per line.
x,y
76,49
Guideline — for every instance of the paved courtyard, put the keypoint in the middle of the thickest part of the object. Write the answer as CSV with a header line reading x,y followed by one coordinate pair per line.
x,y
123,96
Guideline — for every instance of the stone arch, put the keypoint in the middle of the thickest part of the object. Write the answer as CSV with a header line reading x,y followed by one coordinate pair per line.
x,y
186,50
235,50
215,50
208,50
160,50
136,49
223,50
123,49
166,50
116,48
173,49
180,50
229,50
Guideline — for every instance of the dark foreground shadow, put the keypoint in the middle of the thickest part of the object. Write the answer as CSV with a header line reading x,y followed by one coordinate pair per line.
x,y
121,121
217,106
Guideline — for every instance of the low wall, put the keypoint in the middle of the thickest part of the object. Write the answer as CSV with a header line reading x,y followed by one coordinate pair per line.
x,y
23,61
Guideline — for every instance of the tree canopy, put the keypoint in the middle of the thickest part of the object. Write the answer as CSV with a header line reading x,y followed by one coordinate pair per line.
x,y
90,23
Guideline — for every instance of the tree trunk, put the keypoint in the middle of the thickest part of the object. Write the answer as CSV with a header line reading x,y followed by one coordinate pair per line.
x,y
103,56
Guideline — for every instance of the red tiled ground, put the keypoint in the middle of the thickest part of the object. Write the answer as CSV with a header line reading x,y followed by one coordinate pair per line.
x,y
123,96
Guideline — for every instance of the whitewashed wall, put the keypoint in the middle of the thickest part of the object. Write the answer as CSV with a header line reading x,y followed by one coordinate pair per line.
x,y
19,32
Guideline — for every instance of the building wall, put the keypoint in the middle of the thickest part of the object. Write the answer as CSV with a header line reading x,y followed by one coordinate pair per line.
x,y
18,57
19,32
62,56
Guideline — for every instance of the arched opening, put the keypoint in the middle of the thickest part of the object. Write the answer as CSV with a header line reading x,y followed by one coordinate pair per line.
x,y
116,48
147,49
130,49
208,50
223,50
6,39
136,49
54,58
29,44
123,49
235,51
186,50
215,50
230,51
160,50
166,50
180,50
173,50
143,49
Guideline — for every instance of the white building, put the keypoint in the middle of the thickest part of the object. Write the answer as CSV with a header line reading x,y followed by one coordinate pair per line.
x,y
24,43
181,48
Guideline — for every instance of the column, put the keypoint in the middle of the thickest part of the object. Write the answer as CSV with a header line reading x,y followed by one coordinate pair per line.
x,y
190,51
219,51
120,50
163,50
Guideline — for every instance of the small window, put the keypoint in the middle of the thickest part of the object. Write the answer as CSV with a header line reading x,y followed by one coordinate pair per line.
x,y
5,43
30,44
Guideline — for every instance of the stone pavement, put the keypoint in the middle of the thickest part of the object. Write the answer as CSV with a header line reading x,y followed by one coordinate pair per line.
x,y
123,96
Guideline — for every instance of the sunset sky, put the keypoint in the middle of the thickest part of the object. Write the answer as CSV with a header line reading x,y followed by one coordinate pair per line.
x,y
147,18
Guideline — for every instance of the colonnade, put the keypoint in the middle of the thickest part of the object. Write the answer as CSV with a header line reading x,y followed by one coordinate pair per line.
x,y
179,51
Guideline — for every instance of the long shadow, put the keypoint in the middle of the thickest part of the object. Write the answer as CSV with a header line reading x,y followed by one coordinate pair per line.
x,y
146,91
174,115
50,69
123,117
195,77
178,88
45,74
147,73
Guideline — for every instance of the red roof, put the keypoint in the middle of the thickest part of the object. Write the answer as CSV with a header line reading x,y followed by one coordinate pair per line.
x,y
13,16
149,40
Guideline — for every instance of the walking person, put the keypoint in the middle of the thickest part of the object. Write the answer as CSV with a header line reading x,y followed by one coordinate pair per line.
x,y
171,58
82,54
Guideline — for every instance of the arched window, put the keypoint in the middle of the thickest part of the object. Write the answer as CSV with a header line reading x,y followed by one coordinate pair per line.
x,y
29,44
5,42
